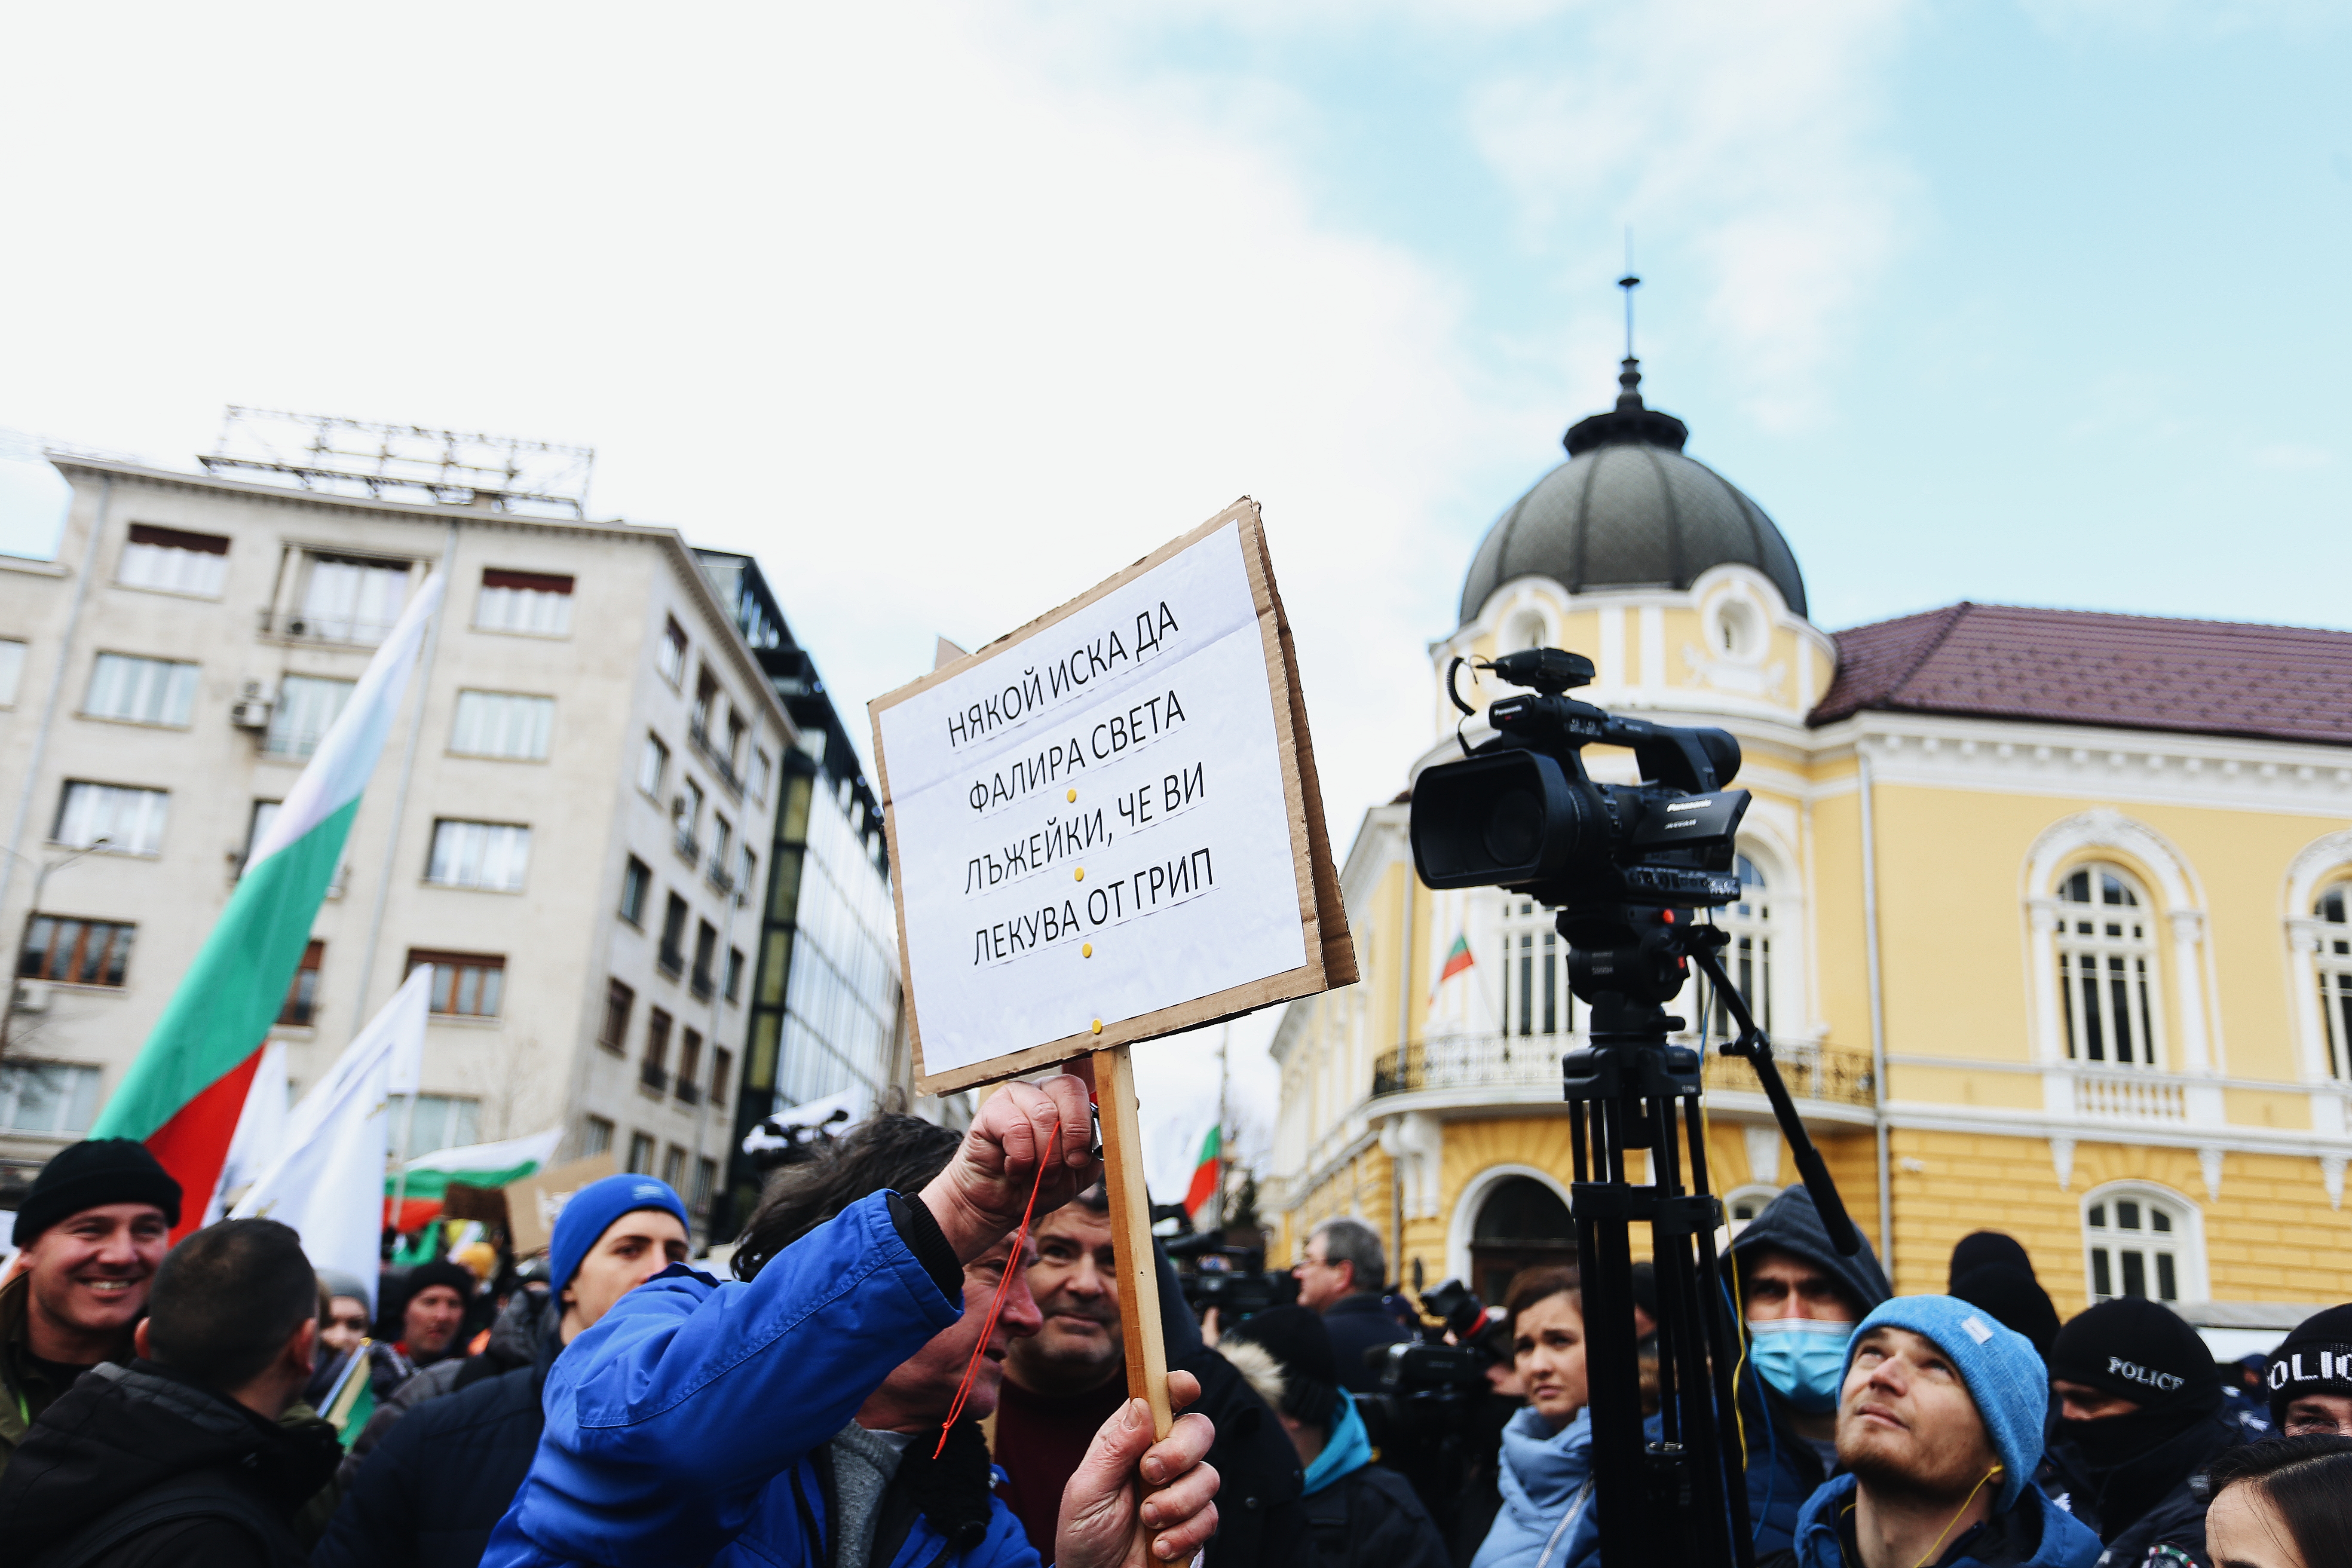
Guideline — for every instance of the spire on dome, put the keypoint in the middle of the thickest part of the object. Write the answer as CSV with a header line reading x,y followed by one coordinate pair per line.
x,y
1630,421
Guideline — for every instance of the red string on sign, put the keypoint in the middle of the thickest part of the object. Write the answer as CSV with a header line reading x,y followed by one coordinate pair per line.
x,y
995,1305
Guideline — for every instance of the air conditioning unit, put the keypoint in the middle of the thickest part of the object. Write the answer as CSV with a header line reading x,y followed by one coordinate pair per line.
x,y
249,715
32,996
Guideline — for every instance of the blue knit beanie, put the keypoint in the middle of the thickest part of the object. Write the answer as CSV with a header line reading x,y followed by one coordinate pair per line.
x,y
2004,1372
590,1214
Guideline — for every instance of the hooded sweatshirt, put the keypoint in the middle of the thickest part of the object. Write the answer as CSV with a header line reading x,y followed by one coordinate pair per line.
x,y
1784,1469
2034,1533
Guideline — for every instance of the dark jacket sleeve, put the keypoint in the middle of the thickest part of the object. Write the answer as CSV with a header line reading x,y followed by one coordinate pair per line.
x,y
375,1524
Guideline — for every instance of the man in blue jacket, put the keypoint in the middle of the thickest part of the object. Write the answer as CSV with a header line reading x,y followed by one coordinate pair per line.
x,y
792,1417
1940,1427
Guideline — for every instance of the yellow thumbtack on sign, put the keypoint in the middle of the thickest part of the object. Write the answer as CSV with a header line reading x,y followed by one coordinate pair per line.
x,y
1086,950
1072,795
1082,874
1098,1026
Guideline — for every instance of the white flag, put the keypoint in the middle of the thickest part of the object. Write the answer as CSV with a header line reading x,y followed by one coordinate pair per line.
x,y
260,1130
328,1181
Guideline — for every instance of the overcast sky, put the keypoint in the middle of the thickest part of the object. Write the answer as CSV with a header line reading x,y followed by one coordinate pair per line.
x,y
948,311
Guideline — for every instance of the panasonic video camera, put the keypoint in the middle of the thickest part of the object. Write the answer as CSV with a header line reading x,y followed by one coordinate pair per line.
x,y
1520,812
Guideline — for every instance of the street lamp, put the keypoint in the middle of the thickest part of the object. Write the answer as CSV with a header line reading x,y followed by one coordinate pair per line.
x,y
43,871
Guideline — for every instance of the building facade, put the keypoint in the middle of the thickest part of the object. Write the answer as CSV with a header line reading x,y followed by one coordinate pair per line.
x,y
828,1022
569,820
2045,911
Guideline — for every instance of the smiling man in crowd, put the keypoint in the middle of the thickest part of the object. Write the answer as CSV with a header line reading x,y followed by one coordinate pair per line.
x,y
1939,1429
93,1229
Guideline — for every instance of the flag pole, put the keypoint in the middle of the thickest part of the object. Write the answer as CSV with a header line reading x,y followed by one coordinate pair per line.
x,y
400,1182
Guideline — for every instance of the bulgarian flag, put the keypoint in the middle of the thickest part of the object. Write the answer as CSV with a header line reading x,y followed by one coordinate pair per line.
x,y
184,1091
475,1165
1201,1194
1457,959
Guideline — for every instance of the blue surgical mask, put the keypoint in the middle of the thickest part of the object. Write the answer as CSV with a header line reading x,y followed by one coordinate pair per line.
x,y
1800,1359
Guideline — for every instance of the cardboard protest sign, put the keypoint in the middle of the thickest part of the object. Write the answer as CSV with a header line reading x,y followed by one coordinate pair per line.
x,y
533,1203
1106,826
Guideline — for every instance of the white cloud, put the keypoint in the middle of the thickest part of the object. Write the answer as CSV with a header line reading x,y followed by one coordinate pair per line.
x,y
1743,142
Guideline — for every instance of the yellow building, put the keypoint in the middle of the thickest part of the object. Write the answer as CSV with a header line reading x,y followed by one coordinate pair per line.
x,y
2046,913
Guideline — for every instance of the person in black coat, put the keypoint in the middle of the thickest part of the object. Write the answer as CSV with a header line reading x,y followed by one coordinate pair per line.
x,y
1363,1516
182,1457
440,1479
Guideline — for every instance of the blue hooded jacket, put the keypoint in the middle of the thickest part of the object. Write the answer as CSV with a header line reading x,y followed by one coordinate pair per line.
x,y
685,1427
2040,1533
1547,1519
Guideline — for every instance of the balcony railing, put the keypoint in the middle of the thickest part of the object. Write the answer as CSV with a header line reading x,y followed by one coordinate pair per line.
x,y
689,1092
672,960
349,631
716,755
720,877
1532,1061
2128,1096
689,847
701,984
654,1077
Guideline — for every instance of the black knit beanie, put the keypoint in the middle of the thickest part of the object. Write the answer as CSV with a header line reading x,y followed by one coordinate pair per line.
x,y
1979,1248
2315,1359
91,1175
1296,1338
2141,1351
2013,1299
440,1271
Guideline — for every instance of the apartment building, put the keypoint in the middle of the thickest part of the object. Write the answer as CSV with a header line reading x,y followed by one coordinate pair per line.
x,y
569,823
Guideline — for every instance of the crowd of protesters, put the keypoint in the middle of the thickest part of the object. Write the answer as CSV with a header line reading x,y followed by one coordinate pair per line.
x,y
887,1380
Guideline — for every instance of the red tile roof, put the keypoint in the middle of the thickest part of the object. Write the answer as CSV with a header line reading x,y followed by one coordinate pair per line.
x,y
2076,667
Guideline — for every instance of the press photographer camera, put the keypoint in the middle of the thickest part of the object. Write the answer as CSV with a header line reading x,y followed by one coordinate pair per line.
x,y
1436,1417
1628,866
1233,1280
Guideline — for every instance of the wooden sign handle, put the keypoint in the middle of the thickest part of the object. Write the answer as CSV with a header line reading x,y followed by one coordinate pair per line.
x,y
1130,1231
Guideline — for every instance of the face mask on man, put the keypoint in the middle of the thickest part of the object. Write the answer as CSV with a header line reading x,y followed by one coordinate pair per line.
x,y
1801,1359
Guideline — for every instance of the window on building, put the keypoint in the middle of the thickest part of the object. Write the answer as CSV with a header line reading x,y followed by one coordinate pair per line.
x,y
734,985
722,1073
763,768
2106,958
674,1167
503,725
685,818
465,985
173,561
706,1176
706,693
307,707
736,731
2140,1242
346,599
747,874
654,1071
690,1066
1535,998
652,763
1742,1204
595,1137
490,855
722,840
303,997
706,946
140,690
76,952
636,887
1747,956
619,1001
443,1122
534,602
669,654
131,820
672,956
12,670
641,1154
56,1097
265,812
2334,966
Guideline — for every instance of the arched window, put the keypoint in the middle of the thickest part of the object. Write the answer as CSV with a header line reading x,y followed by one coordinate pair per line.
x,y
2334,966
2140,1242
1742,1204
1522,1223
2106,961
1535,998
1748,957
1526,631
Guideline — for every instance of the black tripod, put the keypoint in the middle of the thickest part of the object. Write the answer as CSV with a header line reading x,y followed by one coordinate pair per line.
x,y
1681,1498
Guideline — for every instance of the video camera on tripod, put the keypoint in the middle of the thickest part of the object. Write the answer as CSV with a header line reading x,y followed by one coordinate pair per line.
x,y
1628,866
1233,1280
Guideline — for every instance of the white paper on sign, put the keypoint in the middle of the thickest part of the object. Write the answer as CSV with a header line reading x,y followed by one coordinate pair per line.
x,y
1152,704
